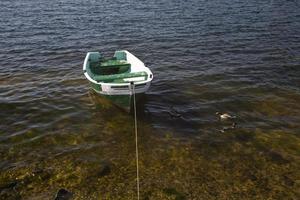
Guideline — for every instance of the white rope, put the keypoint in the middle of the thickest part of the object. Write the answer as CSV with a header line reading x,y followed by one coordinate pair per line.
x,y
136,144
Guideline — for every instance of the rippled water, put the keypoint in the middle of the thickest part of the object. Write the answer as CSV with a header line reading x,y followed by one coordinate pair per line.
x,y
240,57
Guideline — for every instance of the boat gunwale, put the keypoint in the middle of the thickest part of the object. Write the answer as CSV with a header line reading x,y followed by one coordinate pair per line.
x,y
86,60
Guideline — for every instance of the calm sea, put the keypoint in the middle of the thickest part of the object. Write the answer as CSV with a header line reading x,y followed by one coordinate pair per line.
x,y
238,57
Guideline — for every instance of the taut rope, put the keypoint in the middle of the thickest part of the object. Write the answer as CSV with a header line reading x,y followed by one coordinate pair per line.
x,y
136,143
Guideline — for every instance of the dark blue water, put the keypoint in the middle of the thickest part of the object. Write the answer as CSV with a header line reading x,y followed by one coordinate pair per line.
x,y
240,57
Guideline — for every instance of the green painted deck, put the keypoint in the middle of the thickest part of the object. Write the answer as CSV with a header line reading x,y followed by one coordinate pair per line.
x,y
112,71
109,67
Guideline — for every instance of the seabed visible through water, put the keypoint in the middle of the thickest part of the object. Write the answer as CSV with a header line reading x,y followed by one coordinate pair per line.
x,y
240,57
99,163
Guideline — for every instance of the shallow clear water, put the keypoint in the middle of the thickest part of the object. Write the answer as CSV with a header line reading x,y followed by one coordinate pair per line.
x,y
207,56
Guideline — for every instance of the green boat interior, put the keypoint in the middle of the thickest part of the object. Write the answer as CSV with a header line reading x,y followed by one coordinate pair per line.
x,y
112,70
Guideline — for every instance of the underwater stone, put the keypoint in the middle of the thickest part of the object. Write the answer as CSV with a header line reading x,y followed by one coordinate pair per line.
x,y
287,181
9,185
277,157
104,170
174,192
9,194
63,194
8,191
244,136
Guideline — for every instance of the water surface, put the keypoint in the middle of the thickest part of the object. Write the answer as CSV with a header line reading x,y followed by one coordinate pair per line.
x,y
206,56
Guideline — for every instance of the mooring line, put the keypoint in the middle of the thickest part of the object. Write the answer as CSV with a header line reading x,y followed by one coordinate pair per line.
x,y
136,143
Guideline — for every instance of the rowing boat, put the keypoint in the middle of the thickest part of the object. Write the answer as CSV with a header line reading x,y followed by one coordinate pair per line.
x,y
117,78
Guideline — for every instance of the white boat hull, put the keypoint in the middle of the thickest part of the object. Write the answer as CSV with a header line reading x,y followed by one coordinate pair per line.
x,y
140,85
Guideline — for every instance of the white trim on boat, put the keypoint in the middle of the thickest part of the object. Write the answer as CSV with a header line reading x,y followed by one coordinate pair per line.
x,y
84,69
124,88
134,79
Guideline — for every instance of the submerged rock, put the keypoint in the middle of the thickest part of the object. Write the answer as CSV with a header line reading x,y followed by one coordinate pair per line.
x,y
63,194
104,169
10,185
277,157
174,192
244,136
8,194
288,181
8,191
